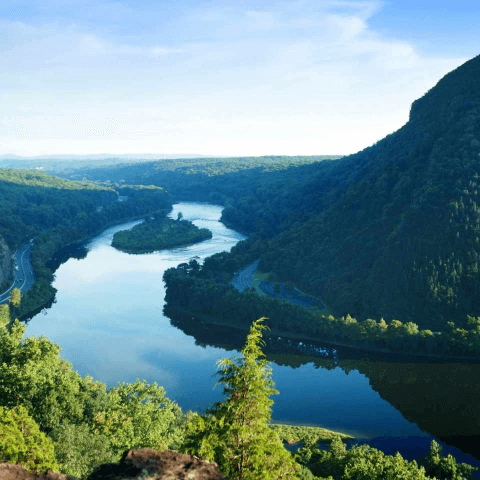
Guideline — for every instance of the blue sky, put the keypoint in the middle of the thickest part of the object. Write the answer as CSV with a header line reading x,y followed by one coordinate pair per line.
x,y
293,77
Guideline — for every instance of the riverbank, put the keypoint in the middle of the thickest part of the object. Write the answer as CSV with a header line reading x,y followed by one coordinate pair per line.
x,y
295,434
301,337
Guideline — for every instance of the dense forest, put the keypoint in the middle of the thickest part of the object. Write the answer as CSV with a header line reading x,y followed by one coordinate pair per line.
x,y
216,180
205,291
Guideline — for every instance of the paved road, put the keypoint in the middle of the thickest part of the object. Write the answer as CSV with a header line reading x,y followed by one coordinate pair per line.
x,y
23,273
243,280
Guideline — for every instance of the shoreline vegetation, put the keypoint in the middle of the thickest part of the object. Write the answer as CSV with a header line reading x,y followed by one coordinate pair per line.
x,y
159,233
303,337
206,292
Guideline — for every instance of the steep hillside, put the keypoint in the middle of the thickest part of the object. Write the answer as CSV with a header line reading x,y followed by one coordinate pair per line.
x,y
397,229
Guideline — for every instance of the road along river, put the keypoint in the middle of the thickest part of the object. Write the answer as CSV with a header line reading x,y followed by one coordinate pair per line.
x,y
23,273
108,318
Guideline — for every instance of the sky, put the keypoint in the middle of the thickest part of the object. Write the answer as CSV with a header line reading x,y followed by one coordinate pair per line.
x,y
237,78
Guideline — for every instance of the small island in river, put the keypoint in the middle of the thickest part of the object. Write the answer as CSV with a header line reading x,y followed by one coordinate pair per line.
x,y
159,233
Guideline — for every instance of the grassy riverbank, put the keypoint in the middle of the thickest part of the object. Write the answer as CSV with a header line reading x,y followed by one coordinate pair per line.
x,y
293,434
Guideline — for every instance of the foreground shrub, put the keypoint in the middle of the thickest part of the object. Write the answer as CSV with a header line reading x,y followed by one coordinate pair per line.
x,y
21,441
79,450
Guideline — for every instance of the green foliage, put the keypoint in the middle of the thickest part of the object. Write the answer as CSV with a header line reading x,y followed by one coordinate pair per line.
x,y
358,463
367,463
139,415
79,450
250,181
446,468
36,178
32,202
21,441
392,231
79,413
236,433
159,234
206,290
297,433
57,212
15,298
91,426
35,377
4,315
39,295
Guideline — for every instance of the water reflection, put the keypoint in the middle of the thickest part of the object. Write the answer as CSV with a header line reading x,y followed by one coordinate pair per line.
x,y
441,398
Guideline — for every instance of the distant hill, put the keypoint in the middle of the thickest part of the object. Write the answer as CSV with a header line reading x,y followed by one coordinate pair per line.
x,y
212,179
66,163
101,156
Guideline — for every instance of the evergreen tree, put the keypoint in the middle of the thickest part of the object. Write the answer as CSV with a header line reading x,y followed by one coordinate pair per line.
x,y
446,467
236,432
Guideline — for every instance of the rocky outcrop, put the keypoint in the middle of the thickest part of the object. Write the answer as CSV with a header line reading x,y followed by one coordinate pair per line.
x,y
150,464
144,463
16,472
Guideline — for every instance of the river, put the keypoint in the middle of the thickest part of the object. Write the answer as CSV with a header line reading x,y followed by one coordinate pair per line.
x,y
108,318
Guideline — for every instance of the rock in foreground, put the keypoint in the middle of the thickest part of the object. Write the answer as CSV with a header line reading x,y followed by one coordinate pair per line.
x,y
145,463
16,472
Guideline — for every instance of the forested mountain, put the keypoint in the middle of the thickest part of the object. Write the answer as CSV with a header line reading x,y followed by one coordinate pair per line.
x,y
399,234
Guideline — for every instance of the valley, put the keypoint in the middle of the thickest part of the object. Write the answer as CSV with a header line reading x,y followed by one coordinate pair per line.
x,y
366,267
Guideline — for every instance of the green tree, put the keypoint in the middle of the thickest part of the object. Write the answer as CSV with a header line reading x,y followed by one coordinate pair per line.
x,y
15,299
358,463
21,441
446,468
79,450
236,433
4,315
34,376
139,415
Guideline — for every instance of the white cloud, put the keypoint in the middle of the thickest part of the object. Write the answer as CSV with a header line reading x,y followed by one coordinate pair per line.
x,y
295,78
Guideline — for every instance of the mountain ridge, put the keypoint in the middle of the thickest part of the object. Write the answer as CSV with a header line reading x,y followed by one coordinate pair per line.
x,y
405,220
